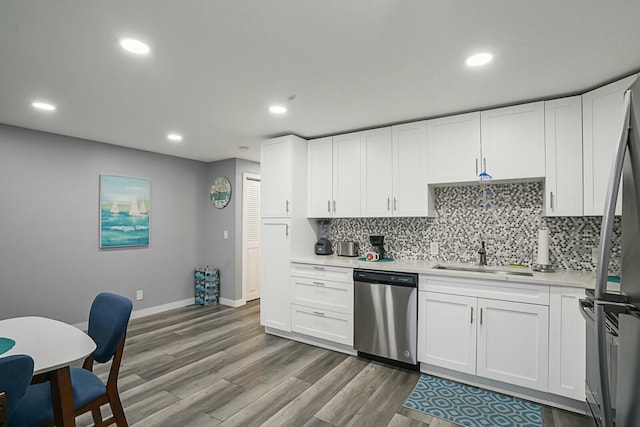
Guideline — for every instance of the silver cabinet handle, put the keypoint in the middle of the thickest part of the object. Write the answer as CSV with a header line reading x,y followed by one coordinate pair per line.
x,y
551,199
287,208
318,313
476,166
484,161
480,317
329,206
287,230
471,315
334,206
388,203
395,204
317,267
318,283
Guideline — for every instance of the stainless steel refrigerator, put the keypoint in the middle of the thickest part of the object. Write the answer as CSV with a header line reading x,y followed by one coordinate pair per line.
x,y
613,318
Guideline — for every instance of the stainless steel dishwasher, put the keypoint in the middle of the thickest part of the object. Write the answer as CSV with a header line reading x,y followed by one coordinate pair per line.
x,y
386,316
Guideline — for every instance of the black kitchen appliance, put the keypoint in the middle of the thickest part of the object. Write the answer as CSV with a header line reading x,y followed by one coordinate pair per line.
x,y
323,245
377,243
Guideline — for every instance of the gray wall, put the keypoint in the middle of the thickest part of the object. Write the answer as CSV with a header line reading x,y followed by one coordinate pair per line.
x,y
50,262
226,255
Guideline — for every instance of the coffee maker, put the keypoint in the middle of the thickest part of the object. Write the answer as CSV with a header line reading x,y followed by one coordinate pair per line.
x,y
377,245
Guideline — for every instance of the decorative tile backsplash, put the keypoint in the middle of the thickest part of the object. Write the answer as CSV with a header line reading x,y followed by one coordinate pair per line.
x,y
506,216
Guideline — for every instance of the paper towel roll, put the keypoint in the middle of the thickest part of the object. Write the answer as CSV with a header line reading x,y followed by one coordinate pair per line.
x,y
543,247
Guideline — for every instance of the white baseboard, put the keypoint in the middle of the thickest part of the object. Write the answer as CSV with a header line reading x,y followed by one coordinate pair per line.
x,y
232,303
148,311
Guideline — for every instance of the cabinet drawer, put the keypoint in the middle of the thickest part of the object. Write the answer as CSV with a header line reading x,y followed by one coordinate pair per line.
x,y
322,272
323,324
322,294
491,289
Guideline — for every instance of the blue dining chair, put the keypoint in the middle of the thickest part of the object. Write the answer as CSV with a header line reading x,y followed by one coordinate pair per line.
x,y
15,375
108,321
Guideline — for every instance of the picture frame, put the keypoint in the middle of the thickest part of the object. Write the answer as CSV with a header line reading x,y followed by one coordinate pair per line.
x,y
125,206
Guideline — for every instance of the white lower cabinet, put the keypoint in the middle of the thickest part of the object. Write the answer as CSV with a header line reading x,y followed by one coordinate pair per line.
x,y
513,344
323,324
459,328
322,302
447,331
275,295
567,343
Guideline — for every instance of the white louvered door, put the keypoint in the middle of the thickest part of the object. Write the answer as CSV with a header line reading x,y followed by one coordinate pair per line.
x,y
251,237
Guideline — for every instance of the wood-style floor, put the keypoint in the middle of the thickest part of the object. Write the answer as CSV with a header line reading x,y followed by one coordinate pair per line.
x,y
210,366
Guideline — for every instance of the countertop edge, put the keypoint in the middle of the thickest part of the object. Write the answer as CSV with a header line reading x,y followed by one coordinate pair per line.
x,y
568,278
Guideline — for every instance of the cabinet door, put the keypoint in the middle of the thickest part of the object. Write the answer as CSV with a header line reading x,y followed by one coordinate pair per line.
x,y
276,178
346,176
602,124
376,185
513,141
567,343
409,169
322,294
453,148
447,331
319,178
563,141
323,324
513,343
275,282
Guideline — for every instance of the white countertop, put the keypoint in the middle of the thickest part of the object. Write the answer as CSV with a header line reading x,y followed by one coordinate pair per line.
x,y
579,279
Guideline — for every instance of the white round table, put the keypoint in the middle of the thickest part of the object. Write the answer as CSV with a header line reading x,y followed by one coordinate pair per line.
x,y
54,346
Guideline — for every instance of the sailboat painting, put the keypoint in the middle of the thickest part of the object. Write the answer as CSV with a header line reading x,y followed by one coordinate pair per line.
x,y
124,211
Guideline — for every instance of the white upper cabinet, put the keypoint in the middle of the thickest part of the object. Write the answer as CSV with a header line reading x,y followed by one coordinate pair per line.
x,y
393,171
601,124
563,140
333,176
409,169
513,141
283,177
320,178
453,148
377,176
275,177
346,175
507,143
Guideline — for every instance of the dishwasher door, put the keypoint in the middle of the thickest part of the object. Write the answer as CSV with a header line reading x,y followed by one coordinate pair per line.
x,y
385,320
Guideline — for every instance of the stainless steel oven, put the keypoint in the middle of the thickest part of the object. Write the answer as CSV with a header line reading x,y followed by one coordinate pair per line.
x,y
592,389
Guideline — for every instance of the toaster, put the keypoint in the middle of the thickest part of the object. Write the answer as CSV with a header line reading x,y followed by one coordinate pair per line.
x,y
347,249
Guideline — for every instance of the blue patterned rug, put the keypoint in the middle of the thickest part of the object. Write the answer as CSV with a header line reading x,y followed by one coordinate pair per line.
x,y
470,406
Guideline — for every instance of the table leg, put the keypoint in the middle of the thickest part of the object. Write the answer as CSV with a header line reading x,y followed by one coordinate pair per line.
x,y
62,397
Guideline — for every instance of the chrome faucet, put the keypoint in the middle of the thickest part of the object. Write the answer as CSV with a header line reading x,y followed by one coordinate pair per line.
x,y
483,255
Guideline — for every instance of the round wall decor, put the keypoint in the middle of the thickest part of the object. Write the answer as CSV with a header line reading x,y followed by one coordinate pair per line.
x,y
220,192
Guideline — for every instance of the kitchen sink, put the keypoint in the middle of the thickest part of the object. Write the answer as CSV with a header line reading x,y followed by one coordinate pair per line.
x,y
483,269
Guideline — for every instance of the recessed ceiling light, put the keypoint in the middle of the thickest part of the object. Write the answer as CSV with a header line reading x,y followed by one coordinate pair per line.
x,y
135,46
479,59
174,137
45,106
277,109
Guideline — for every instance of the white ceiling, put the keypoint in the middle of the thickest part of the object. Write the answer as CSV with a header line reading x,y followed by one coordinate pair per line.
x,y
216,66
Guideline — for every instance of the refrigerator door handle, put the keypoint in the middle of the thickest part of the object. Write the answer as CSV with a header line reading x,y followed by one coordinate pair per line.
x,y
603,266
586,314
